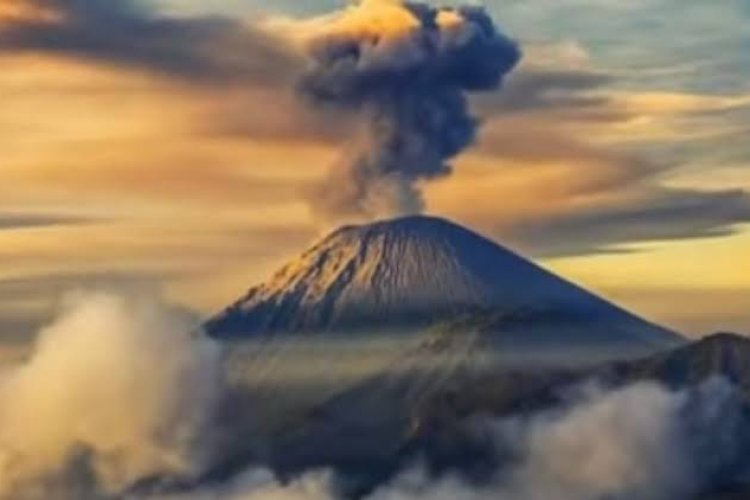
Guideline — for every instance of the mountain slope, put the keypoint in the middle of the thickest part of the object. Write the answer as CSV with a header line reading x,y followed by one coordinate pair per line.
x,y
418,271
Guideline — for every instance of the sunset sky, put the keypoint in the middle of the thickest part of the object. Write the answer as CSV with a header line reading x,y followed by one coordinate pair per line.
x,y
161,144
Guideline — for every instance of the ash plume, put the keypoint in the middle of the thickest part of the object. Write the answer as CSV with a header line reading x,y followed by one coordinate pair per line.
x,y
405,70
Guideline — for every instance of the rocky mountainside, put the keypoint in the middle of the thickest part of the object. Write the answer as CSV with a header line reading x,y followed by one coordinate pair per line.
x,y
418,271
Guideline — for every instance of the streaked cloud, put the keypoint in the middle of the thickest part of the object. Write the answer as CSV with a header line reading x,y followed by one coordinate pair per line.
x,y
126,33
658,216
20,220
569,165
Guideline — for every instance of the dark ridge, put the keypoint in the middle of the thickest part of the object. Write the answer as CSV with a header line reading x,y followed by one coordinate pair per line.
x,y
722,355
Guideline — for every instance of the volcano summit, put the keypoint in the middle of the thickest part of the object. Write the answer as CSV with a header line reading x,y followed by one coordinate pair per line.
x,y
417,272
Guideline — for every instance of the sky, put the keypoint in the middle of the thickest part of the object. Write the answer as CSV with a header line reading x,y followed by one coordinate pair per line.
x,y
160,144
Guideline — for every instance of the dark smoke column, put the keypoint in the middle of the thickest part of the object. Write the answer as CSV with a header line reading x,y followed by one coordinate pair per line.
x,y
405,70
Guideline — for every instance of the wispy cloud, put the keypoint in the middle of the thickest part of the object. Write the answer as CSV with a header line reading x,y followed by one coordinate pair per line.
x,y
126,33
21,220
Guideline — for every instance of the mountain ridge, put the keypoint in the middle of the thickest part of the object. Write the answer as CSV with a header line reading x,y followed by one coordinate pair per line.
x,y
397,417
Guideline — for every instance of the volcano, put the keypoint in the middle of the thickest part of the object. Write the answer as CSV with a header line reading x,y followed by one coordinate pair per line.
x,y
417,272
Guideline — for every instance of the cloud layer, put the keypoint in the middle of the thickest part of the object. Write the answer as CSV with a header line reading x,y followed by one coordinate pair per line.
x,y
641,442
121,396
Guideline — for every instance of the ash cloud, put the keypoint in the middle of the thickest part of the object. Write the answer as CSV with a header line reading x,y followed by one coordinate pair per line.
x,y
405,69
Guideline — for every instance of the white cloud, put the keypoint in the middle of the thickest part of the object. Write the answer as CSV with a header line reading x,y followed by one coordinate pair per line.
x,y
116,391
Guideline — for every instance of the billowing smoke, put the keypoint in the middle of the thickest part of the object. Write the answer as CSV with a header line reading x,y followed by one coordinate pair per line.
x,y
405,69
117,391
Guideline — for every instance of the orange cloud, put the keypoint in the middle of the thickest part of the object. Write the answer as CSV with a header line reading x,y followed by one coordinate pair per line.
x,y
14,11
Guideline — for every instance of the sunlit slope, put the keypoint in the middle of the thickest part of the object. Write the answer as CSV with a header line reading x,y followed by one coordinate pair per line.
x,y
415,272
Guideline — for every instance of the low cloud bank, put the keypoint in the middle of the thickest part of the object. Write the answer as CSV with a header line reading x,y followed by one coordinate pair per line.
x,y
642,442
118,396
